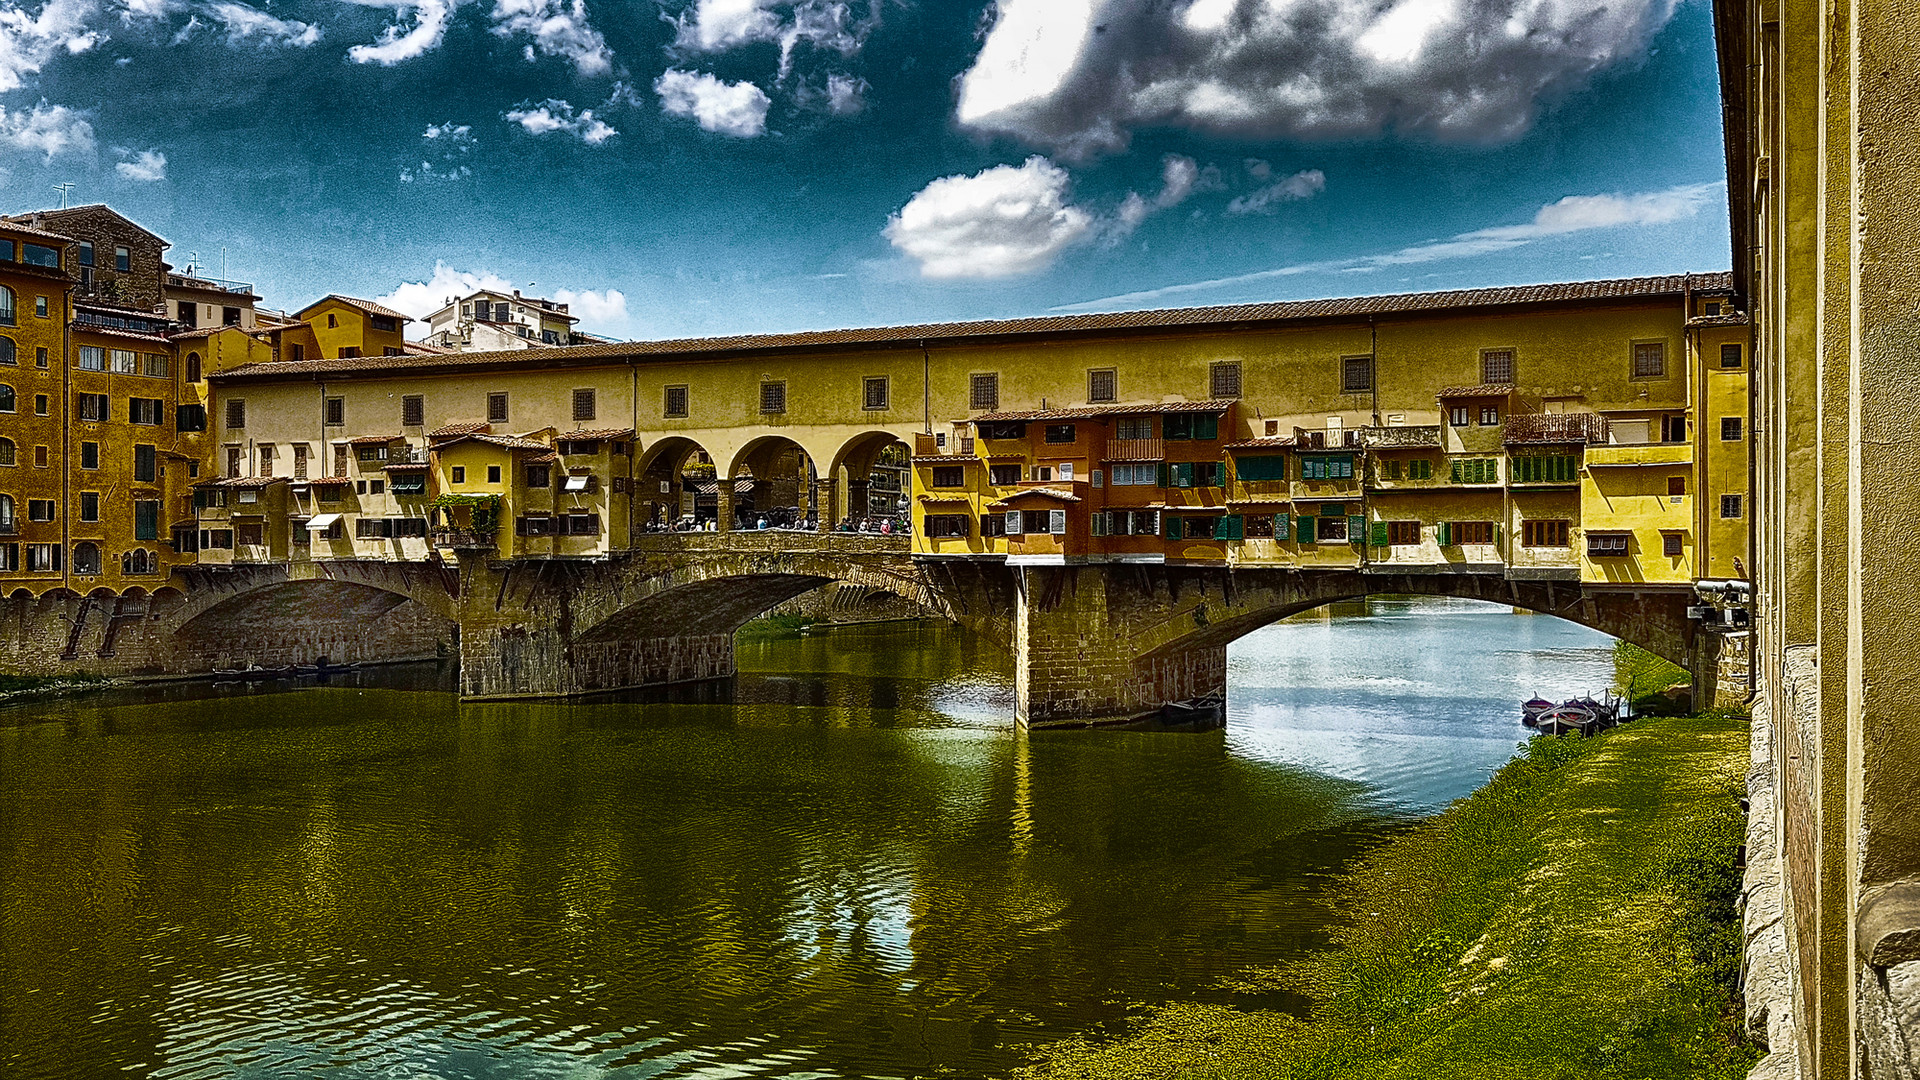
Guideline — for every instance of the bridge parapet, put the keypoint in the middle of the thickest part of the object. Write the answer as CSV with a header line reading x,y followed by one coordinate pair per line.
x,y
770,541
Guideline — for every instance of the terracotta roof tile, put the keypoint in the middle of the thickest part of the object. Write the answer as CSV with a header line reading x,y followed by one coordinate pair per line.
x,y
367,306
1094,412
470,427
1294,310
1489,390
110,331
29,230
511,442
1043,492
324,481
1265,442
592,434
373,440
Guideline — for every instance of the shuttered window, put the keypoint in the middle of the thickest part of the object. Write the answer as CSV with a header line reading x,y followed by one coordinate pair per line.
x,y
1403,533
1100,385
1545,469
1476,471
1472,532
1057,522
950,476
1326,467
1543,534
1259,467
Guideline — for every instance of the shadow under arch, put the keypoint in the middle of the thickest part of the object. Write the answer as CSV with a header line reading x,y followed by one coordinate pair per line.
x,y
668,484
870,476
783,481
299,621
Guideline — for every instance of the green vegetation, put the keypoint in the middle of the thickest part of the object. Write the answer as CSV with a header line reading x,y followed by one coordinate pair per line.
x,y
1573,918
776,626
21,684
1642,678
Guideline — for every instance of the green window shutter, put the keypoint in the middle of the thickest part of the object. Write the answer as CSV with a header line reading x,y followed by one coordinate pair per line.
x,y
1163,474
1173,527
1346,468
1303,529
1206,427
1357,528
1283,526
1260,467
1446,534
1333,509
1379,531
1098,521
1459,473
1184,474
1233,527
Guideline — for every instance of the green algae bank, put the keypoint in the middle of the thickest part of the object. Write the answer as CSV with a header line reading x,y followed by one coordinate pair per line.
x,y
851,865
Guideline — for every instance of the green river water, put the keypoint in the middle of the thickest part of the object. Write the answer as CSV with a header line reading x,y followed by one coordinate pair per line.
x,y
849,865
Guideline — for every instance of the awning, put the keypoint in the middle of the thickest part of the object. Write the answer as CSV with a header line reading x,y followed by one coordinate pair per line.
x,y
322,522
577,483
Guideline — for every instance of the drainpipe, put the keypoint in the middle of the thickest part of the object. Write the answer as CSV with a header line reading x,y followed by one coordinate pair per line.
x,y
926,384
66,443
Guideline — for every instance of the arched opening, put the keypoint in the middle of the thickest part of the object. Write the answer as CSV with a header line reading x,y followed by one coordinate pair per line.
x,y
86,558
873,489
7,525
342,621
139,561
773,485
675,489
8,452
193,367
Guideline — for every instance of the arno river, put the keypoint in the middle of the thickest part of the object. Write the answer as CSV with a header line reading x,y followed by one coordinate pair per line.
x,y
854,868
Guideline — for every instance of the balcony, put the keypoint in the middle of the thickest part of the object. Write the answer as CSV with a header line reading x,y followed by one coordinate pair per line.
x,y
1133,450
195,281
1587,429
1419,437
1640,454
406,455
463,540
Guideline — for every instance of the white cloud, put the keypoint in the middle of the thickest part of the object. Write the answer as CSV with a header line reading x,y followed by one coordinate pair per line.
x,y
401,42
553,115
244,23
458,134
1180,177
1080,75
999,222
1304,184
846,95
145,167
737,109
447,147
718,25
1572,214
47,129
558,28
598,312
29,40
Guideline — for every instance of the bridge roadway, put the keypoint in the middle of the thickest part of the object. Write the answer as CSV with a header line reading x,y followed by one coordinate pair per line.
x,y
1090,643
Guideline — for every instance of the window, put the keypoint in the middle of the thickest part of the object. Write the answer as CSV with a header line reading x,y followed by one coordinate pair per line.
x,y
372,529
86,253
676,403
1042,472
40,306
6,306
1259,527
335,412
384,323
1730,429
86,557
91,407
188,313
1330,528
1543,534
89,455
493,474
1712,308
535,525
992,525
299,351
459,474
40,357
230,316
146,519
1258,467
983,392
39,404
1673,544
1472,532
948,526
6,350
1326,467
1356,374
1133,427
154,365
773,397
236,413
496,408
332,320
89,506
7,398
413,410
1489,415
1673,429
92,358
1476,470
1545,469
1459,416
235,456
299,461
144,464
143,410
875,395
408,483
190,418
1676,485
1223,379
125,361
9,557
1496,366
1730,356
1191,426
1403,533
340,459
266,459
1730,506
1608,545
1649,360
953,476
584,404
8,452
1060,433
43,556
502,312
122,258
539,476
580,525
39,509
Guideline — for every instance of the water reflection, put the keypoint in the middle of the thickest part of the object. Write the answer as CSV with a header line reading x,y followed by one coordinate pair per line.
x,y
848,866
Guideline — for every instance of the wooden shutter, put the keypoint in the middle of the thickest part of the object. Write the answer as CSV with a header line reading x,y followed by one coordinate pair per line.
x,y
1099,522
1173,527
1283,526
1446,534
1232,527
1057,522
1356,528
1303,529
1206,426
1380,538
1013,523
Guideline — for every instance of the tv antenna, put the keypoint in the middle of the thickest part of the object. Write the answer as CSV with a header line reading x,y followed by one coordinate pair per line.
x,y
64,188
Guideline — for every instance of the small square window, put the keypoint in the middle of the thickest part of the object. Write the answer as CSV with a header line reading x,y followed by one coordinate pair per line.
x,y
496,408
1460,416
676,403
1489,416
983,392
1672,544
1649,360
1676,485
1223,380
122,259
875,396
493,474
1101,385
1730,506
336,412
459,474
1496,367
1730,355
1356,374
1713,308
584,404
1730,428
773,398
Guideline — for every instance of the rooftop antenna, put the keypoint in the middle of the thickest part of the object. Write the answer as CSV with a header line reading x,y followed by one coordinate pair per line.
x,y
64,188
193,264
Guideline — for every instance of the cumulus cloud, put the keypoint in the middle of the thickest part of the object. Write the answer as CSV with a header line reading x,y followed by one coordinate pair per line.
x,y
1572,214
999,222
1304,184
737,109
245,23
46,129
1079,76
554,115
421,27
446,147
558,28
28,40
846,95
145,167
1180,176
718,25
602,311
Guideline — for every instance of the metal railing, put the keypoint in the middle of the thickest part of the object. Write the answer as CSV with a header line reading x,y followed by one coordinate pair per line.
x,y
195,281
1586,428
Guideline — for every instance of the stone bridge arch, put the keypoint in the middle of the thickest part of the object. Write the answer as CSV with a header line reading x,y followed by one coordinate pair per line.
x,y
297,613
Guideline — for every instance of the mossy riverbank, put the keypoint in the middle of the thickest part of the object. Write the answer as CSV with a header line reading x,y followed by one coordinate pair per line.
x,y
1573,918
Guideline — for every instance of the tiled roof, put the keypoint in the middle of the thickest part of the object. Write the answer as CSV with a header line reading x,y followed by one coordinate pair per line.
x,y
200,332
934,333
110,331
1044,493
367,306
1735,318
1265,442
29,230
592,434
242,482
543,459
1489,390
374,440
325,481
1093,412
402,466
470,427
511,442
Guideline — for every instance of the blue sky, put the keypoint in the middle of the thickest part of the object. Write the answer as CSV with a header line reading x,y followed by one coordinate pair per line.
x,y
691,167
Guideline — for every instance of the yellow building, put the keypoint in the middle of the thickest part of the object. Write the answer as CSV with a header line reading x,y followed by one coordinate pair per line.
x,y
35,306
346,327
